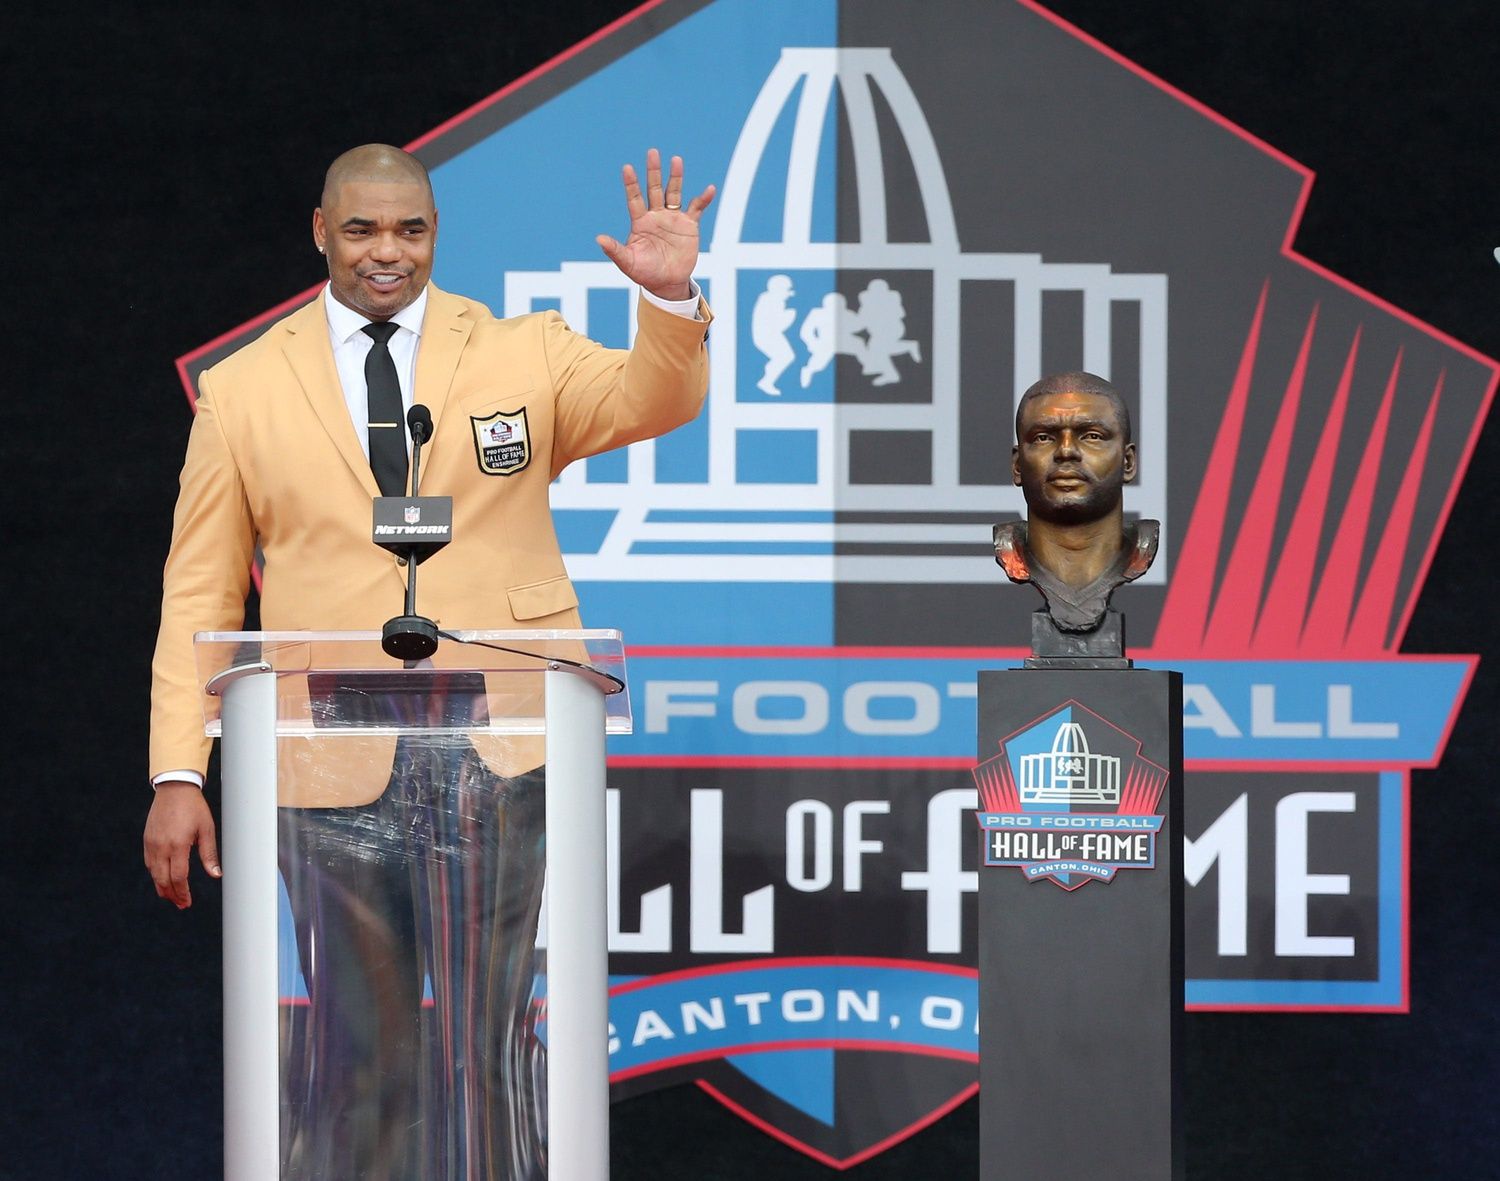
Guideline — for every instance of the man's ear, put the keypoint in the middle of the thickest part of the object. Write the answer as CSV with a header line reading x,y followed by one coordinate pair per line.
x,y
1015,465
1129,463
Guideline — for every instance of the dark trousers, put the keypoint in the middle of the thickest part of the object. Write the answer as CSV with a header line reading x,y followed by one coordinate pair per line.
x,y
439,880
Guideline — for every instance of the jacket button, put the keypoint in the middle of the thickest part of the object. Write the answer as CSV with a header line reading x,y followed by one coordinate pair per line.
x,y
400,561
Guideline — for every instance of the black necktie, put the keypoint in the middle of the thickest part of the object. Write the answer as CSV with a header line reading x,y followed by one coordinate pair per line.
x,y
383,415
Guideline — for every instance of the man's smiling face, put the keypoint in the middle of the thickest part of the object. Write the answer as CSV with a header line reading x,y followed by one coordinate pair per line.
x,y
379,238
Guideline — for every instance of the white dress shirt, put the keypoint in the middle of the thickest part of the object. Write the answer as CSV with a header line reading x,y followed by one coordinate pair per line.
x,y
351,345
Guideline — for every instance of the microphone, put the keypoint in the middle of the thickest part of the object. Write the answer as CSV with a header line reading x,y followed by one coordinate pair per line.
x,y
419,422
414,527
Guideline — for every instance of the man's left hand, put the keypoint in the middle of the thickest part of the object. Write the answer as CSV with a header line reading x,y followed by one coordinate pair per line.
x,y
662,248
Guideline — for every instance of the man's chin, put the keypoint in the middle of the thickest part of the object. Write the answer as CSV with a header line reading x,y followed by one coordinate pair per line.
x,y
1072,510
381,304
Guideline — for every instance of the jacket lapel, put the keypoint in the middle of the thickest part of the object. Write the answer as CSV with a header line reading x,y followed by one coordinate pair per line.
x,y
307,351
445,331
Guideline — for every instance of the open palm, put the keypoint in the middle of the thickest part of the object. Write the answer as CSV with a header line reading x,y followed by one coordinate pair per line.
x,y
661,249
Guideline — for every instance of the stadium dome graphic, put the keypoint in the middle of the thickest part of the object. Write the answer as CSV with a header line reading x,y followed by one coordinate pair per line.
x,y
1068,773
783,498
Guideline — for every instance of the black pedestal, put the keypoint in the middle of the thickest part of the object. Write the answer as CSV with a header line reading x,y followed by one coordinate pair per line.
x,y
1080,944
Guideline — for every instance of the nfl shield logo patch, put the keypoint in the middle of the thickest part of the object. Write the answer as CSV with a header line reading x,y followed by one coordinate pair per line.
x,y
501,442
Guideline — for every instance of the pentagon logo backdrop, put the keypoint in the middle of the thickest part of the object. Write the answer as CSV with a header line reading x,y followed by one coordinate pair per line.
x,y
917,219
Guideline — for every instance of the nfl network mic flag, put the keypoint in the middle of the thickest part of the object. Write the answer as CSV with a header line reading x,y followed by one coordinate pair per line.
x,y
917,219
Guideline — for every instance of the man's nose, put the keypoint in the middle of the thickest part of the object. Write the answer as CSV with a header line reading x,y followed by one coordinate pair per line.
x,y
387,248
1067,445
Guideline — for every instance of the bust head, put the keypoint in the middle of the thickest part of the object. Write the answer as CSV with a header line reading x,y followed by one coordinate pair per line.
x,y
1072,458
1073,452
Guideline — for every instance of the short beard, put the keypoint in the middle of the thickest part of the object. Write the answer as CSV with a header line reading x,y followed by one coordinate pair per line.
x,y
1102,499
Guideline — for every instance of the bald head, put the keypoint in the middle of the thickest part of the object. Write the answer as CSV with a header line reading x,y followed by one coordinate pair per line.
x,y
377,224
1073,451
1077,382
374,164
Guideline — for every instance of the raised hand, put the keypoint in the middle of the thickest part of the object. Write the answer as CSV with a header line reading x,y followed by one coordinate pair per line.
x,y
662,248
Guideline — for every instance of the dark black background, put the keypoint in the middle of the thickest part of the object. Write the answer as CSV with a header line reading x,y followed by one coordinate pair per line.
x,y
163,162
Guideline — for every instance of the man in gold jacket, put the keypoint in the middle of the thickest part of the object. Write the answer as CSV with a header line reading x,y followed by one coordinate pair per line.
x,y
277,454
279,458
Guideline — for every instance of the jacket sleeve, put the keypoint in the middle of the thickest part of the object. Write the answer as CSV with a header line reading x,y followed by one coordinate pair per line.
x,y
607,398
204,584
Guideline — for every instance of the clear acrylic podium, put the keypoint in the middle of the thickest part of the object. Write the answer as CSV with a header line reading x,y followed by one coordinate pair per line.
x,y
402,808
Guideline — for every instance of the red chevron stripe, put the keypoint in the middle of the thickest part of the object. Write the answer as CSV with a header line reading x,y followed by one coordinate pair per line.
x,y
1286,604
1371,629
1185,613
997,787
1239,598
1333,606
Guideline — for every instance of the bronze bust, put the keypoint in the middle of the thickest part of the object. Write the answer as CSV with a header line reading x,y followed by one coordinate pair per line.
x,y
1072,458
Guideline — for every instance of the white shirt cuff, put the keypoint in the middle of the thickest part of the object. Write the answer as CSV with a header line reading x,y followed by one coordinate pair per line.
x,y
177,777
687,308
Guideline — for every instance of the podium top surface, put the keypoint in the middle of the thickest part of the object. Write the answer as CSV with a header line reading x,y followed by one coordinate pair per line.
x,y
341,682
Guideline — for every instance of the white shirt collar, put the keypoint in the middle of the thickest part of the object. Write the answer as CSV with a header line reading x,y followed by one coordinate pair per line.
x,y
344,321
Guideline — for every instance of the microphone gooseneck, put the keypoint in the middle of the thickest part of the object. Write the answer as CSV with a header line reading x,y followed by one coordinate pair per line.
x,y
410,636
419,422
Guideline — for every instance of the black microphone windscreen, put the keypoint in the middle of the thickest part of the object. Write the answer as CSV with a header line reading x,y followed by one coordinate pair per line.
x,y
419,418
